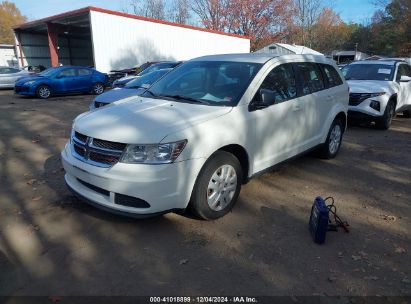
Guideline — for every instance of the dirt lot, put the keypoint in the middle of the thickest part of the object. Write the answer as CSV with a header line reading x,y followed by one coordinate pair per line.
x,y
53,244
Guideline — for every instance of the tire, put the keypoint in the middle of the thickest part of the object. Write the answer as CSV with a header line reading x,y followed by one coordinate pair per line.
x,y
384,122
406,113
43,92
98,88
332,144
213,198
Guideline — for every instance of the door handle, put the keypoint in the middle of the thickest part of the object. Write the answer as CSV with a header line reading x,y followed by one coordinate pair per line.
x,y
329,98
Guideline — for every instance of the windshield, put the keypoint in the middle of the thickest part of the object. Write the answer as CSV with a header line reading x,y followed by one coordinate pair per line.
x,y
158,66
368,72
217,83
48,72
146,80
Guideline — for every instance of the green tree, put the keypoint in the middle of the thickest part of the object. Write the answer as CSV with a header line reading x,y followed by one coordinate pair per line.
x,y
9,16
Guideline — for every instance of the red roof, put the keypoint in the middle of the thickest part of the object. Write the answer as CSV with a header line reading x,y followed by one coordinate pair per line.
x,y
101,10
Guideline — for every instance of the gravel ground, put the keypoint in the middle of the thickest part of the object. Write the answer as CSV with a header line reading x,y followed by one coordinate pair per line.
x,y
53,244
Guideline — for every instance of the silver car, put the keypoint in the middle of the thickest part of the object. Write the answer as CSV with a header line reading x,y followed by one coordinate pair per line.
x,y
8,76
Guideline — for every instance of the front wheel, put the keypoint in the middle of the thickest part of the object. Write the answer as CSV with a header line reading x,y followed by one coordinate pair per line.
x,y
332,144
217,187
98,88
385,121
43,92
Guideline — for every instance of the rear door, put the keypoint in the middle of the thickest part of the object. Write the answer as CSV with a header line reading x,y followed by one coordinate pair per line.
x,y
65,81
83,80
313,103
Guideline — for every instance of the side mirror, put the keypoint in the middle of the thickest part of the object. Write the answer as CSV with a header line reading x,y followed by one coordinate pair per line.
x,y
267,98
405,78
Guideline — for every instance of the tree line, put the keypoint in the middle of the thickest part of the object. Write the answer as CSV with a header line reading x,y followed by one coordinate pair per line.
x,y
312,23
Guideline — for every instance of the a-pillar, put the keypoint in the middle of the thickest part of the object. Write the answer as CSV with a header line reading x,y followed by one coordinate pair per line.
x,y
52,34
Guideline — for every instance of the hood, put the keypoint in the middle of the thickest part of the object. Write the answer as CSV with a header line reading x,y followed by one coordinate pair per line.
x,y
24,79
144,120
117,94
371,86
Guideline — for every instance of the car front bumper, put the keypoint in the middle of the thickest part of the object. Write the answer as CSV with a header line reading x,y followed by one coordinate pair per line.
x,y
24,90
364,110
163,187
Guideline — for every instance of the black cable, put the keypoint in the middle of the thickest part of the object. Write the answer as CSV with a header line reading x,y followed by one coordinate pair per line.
x,y
337,220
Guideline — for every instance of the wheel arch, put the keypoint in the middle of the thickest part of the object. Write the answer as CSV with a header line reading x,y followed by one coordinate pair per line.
x,y
241,154
343,117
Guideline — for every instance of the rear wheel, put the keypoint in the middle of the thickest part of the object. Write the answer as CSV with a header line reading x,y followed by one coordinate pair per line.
x,y
384,122
43,92
333,142
217,187
98,88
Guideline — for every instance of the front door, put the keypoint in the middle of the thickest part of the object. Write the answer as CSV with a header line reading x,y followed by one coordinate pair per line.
x,y
278,127
404,93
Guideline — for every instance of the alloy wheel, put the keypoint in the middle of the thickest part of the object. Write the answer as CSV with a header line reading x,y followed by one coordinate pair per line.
x,y
335,139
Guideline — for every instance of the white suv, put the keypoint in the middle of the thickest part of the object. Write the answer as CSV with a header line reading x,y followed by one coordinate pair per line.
x,y
378,90
203,130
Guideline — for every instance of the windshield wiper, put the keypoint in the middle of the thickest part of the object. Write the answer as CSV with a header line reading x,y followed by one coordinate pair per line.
x,y
179,97
151,93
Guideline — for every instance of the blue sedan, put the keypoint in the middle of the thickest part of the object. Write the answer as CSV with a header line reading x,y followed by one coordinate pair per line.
x,y
134,88
62,80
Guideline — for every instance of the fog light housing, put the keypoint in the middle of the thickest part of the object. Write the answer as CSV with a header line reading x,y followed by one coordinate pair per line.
x,y
375,105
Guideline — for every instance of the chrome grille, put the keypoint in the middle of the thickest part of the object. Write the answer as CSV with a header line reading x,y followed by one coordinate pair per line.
x,y
98,152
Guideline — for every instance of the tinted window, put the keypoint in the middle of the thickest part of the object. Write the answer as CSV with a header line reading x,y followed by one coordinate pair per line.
x,y
68,73
215,82
146,80
280,81
84,72
368,72
311,77
158,66
332,75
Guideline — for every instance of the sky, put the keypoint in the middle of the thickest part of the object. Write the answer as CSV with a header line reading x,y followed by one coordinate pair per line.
x,y
350,10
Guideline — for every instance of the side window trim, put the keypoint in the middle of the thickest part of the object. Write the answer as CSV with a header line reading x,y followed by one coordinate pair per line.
x,y
324,75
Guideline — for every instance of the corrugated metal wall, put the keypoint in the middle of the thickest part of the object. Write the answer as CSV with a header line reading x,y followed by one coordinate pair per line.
x,y
35,49
121,42
71,51
75,51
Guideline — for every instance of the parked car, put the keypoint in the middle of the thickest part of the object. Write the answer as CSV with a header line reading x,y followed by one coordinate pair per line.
x,y
117,74
378,90
62,80
204,129
134,88
35,68
8,76
119,83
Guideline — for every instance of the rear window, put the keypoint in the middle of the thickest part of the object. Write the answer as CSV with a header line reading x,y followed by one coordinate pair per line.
x,y
332,75
84,72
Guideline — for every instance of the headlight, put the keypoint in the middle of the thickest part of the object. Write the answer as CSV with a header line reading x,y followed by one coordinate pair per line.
x,y
377,94
29,82
153,154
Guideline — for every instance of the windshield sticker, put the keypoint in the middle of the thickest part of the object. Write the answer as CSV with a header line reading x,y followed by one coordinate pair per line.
x,y
384,71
